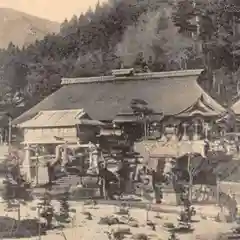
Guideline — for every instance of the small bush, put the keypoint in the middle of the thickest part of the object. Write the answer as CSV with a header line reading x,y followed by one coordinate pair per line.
x,y
109,220
123,211
168,225
27,228
133,224
140,236
123,230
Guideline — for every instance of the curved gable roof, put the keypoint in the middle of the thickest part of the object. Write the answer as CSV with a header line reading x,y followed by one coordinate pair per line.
x,y
102,98
236,107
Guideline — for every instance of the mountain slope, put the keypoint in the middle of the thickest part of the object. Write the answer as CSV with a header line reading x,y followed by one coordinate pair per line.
x,y
23,29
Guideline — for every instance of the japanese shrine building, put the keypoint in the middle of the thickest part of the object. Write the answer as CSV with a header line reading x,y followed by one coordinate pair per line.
x,y
175,99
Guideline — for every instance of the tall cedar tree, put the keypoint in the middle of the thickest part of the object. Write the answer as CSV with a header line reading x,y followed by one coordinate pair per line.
x,y
218,34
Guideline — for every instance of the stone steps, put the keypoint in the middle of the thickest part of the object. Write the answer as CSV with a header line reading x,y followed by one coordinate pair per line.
x,y
87,189
70,180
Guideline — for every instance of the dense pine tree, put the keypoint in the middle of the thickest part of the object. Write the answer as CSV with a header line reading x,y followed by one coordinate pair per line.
x,y
65,208
46,210
16,190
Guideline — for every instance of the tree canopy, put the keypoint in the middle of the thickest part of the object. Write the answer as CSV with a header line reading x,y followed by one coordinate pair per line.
x,y
165,35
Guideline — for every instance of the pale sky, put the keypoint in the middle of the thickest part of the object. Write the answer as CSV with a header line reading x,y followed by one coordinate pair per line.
x,y
56,10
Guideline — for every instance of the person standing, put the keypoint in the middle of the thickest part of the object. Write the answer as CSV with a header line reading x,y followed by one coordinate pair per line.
x,y
206,147
124,172
50,170
107,178
237,145
156,185
233,207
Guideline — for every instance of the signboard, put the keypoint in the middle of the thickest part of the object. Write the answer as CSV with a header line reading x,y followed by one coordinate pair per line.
x,y
113,141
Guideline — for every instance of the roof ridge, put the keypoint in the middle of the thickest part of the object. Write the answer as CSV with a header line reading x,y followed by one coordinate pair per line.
x,y
136,76
64,110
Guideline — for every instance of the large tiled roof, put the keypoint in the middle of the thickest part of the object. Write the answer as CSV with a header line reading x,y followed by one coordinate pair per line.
x,y
103,98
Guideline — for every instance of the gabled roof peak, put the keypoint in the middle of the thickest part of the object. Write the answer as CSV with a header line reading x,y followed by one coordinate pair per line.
x,y
132,76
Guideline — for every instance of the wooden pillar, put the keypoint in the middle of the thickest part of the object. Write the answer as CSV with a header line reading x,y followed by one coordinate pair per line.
x,y
64,155
9,130
1,136
169,194
27,163
190,178
104,181
196,134
163,137
185,136
174,137
37,165
206,129
218,190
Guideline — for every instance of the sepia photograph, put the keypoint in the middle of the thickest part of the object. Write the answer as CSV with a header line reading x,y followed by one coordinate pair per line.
x,y
120,119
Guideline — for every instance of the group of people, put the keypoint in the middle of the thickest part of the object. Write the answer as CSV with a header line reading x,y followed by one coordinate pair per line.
x,y
115,183
112,183
124,179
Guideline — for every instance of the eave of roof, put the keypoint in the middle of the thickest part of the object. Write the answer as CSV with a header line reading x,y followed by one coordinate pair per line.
x,y
103,98
204,105
59,118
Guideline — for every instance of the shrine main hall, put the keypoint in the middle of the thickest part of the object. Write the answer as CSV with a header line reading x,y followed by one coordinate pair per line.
x,y
175,101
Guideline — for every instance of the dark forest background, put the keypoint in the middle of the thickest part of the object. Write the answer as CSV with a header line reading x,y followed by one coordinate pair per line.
x,y
165,35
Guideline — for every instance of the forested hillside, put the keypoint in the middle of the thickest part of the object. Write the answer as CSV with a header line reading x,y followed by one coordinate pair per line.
x,y
132,33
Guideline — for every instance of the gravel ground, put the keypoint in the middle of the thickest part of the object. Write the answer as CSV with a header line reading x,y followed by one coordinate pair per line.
x,y
90,229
